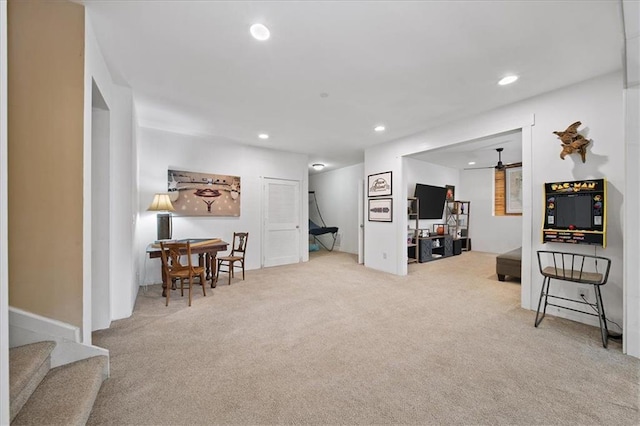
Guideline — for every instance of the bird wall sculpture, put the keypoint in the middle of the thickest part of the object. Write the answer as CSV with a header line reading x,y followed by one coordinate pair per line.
x,y
572,141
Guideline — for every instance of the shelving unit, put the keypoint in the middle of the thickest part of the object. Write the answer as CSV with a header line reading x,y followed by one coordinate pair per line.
x,y
435,247
413,209
457,218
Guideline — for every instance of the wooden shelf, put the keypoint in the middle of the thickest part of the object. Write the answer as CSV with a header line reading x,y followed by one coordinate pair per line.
x,y
413,210
457,218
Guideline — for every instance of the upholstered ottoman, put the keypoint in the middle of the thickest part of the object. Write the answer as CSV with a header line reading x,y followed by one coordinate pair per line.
x,y
509,263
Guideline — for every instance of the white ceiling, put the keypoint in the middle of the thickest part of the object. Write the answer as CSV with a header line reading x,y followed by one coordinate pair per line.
x,y
482,151
194,68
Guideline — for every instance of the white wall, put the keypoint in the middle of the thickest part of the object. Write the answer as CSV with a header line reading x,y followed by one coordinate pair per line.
x,y
632,194
490,233
598,104
124,286
160,150
418,171
120,185
385,243
337,195
100,273
4,259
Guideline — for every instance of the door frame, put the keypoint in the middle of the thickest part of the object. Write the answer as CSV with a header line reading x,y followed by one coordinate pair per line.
x,y
361,221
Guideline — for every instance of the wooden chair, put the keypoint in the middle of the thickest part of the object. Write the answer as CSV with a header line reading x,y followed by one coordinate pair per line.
x,y
238,249
174,268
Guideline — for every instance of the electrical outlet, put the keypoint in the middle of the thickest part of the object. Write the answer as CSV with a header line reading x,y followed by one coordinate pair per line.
x,y
384,255
584,292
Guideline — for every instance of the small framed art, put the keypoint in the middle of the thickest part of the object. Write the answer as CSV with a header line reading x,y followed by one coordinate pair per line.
x,y
381,210
379,185
513,177
451,192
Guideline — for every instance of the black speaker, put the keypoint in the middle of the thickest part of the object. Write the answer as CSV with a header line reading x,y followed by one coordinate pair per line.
x,y
457,247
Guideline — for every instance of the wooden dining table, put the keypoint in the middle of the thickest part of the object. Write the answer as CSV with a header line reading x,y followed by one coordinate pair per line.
x,y
207,250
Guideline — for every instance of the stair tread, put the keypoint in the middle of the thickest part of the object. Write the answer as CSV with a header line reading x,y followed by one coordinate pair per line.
x,y
24,360
28,366
66,394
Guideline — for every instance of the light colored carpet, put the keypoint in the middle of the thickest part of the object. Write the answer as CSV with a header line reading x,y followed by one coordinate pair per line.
x,y
332,342
29,364
65,396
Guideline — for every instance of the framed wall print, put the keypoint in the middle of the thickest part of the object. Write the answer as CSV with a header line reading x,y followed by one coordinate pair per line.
x,y
513,190
451,192
379,184
381,210
203,194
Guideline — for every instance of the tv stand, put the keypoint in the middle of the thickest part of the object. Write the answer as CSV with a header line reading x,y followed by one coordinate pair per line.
x,y
435,247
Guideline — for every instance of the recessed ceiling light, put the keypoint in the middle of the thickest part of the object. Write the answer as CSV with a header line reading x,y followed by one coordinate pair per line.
x,y
318,166
508,80
263,136
471,163
260,32
379,128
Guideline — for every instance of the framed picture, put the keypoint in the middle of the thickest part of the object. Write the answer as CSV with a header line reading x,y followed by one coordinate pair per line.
x,y
381,210
203,194
379,184
513,189
451,192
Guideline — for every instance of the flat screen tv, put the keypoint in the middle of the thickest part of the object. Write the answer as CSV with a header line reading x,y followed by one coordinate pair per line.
x,y
431,199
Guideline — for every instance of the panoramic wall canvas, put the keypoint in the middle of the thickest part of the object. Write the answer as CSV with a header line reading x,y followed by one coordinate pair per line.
x,y
204,194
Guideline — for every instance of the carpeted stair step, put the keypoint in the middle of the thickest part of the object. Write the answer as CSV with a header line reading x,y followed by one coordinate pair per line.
x,y
28,365
66,395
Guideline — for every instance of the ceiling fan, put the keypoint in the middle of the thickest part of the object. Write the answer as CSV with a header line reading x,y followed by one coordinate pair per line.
x,y
499,166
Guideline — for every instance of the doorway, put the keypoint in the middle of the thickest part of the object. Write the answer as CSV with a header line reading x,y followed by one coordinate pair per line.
x,y
482,151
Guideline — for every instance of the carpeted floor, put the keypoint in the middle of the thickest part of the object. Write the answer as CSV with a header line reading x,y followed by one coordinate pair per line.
x,y
332,342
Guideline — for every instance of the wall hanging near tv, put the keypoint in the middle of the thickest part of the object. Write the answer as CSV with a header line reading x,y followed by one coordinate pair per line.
x,y
204,194
575,212
432,200
381,210
379,184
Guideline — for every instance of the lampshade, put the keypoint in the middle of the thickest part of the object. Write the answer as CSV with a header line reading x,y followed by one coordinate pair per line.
x,y
161,203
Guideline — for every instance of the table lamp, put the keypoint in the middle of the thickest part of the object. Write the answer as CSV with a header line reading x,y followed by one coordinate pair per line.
x,y
162,203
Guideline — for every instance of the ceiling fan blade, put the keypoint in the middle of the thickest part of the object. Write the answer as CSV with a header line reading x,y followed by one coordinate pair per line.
x,y
499,166
478,168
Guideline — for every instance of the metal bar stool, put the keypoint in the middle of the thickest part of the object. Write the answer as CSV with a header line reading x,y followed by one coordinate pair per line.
x,y
577,268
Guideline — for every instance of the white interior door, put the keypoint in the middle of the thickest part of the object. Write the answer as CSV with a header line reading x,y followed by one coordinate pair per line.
x,y
281,219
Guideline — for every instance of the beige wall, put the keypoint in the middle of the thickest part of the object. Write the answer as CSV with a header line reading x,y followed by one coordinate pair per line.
x,y
45,114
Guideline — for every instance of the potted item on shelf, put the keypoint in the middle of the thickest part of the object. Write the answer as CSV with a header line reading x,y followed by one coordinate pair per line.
x,y
440,229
